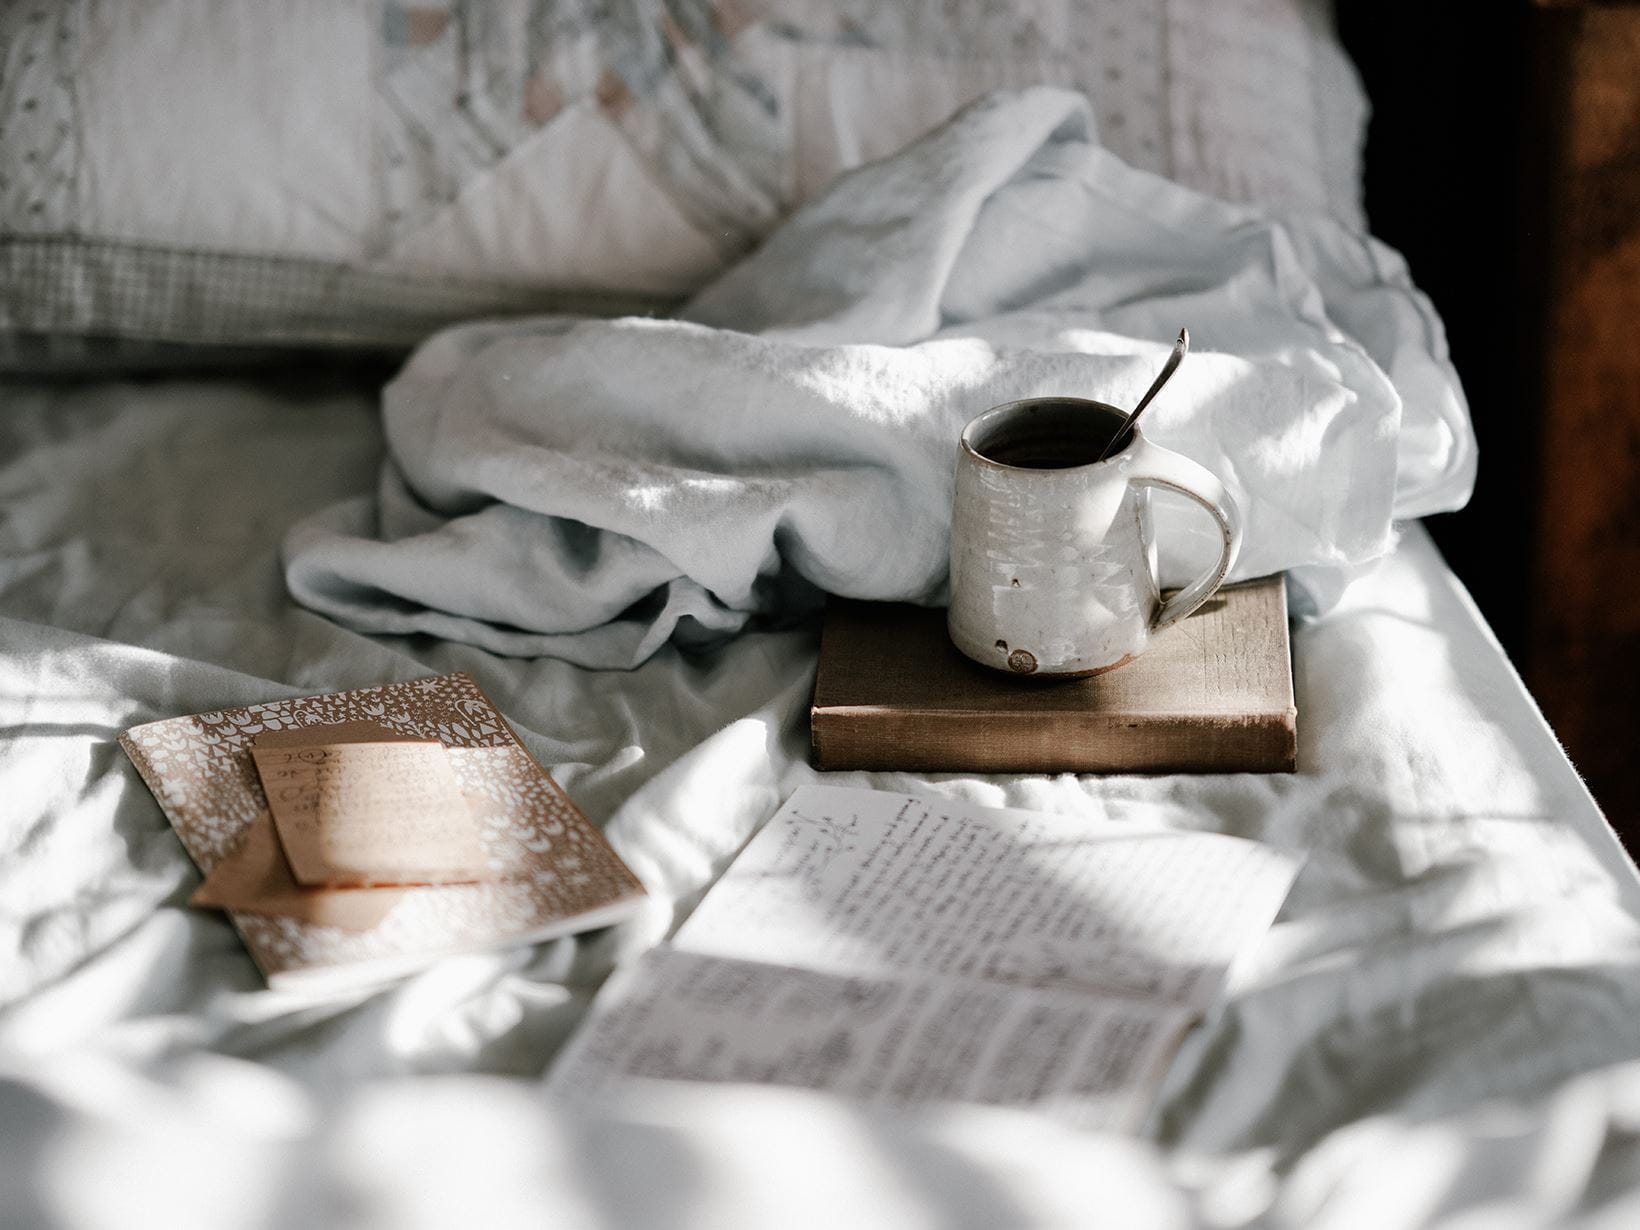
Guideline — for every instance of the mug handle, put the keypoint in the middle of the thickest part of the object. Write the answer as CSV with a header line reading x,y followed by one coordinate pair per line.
x,y
1151,465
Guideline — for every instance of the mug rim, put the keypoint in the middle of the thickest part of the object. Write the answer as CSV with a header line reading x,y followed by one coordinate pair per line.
x,y
967,443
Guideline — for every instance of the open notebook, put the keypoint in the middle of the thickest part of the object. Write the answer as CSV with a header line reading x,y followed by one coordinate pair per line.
x,y
899,950
553,872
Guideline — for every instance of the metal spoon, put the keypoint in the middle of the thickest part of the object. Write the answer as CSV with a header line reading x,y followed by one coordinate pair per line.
x,y
1124,433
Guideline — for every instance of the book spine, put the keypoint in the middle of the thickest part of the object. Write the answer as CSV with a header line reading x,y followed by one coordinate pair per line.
x,y
930,741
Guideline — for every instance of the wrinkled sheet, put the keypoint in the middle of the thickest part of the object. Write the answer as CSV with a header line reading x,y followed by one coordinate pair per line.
x,y
594,489
1441,1024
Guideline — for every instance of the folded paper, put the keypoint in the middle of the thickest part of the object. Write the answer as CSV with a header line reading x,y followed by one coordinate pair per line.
x,y
256,879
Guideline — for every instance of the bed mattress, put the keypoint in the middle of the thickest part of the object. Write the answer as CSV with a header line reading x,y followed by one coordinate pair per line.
x,y
1443,1019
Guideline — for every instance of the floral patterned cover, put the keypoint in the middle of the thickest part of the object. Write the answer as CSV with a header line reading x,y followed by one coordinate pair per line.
x,y
556,867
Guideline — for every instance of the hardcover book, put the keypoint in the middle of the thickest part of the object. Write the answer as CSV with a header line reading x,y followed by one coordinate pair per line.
x,y
547,870
1212,694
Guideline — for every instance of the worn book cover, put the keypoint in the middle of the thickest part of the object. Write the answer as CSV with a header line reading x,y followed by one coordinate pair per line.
x,y
550,870
1212,694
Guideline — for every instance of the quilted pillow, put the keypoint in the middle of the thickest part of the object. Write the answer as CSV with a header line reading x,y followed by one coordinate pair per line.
x,y
316,173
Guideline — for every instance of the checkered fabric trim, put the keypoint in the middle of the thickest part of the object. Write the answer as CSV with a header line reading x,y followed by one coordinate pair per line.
x,y
56,285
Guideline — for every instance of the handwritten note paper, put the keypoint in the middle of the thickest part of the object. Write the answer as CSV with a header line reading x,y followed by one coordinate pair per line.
x,y
371,813
889,1041
901,950
858,881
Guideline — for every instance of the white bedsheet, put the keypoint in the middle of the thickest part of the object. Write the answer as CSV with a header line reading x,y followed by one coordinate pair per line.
x,y
591,489
1436,1027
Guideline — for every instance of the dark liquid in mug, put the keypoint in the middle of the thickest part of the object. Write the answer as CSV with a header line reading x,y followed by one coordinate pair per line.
x,y
1036,451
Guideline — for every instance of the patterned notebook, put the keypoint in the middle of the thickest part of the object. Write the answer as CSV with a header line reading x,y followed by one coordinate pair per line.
x,y
556,873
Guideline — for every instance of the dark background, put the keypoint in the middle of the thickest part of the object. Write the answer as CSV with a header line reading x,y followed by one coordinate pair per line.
x,y
1503,160
1447,182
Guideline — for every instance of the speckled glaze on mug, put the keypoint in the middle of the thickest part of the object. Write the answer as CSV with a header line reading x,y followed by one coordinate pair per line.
x,y
1053,562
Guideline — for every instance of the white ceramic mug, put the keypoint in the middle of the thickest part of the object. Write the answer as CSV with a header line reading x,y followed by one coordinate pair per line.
x,y
1053,561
